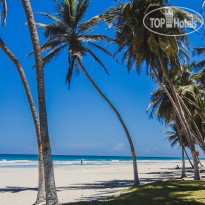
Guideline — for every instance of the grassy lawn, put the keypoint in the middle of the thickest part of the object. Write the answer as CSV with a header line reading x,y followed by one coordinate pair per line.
x,y
159,193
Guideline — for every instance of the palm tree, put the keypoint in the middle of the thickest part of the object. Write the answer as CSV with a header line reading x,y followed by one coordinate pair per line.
x,y
161,105
176,138
51,195
41,186
193,98
191,94
190,89
160,53
3,47
69,31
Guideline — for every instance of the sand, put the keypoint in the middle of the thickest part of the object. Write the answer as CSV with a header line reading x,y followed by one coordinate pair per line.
x,y
18,186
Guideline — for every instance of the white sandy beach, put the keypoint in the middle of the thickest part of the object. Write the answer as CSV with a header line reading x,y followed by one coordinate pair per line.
x,y
18,186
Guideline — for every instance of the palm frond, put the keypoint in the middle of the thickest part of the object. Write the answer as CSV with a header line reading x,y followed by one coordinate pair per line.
x,y
49,16
55,29
50,44
53,54
103,50
199,51
81,8
89,25
168,132
58,5
96,37
69,75
97,60
200,65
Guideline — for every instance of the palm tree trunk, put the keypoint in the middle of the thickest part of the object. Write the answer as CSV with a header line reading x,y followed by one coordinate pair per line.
x,y
136,178
183,159
182,147
51,195
183,120
41,186
183,163
201,141
188,158
41,196
200,162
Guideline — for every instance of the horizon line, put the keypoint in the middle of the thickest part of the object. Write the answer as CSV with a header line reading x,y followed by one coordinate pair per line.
x,y
93,155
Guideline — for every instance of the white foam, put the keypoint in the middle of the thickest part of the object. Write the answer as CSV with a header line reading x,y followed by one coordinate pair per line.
x,y
28,163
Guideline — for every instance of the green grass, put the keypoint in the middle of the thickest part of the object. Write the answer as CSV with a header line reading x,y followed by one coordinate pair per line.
x,y
159,193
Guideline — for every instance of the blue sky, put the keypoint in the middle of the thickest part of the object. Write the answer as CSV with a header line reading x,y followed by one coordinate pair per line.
x,y
80,122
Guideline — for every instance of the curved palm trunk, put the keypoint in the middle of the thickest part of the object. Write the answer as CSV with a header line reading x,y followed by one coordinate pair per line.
x,y
172,102
136,178
200,140
183,159
183,120
41,186
188,134
51,195
182,147
200,162
188,158
183,163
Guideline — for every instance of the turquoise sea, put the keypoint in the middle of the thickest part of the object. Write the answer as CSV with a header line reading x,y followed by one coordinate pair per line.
x,y
14,160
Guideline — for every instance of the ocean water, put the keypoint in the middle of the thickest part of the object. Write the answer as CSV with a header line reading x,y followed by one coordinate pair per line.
x,y
66,160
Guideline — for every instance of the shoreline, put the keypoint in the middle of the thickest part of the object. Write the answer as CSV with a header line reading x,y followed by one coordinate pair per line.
x,y
69,164
25,162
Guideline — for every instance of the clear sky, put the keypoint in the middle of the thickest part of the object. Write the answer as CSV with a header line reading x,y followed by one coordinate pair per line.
x,y
80,122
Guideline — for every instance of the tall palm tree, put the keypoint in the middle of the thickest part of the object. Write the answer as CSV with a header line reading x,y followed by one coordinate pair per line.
x,y
51,195
69,31
189,92
41,185
160,53
3,47
161,105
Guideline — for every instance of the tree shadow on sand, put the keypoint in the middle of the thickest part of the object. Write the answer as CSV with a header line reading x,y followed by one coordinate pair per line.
x,y
101,185
17,189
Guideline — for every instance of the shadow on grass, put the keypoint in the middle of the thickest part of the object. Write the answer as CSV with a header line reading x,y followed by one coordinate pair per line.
x,y
159,193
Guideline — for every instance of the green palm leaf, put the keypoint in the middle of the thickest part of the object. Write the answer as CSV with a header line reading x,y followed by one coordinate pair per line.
x,y
54,53
97,60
